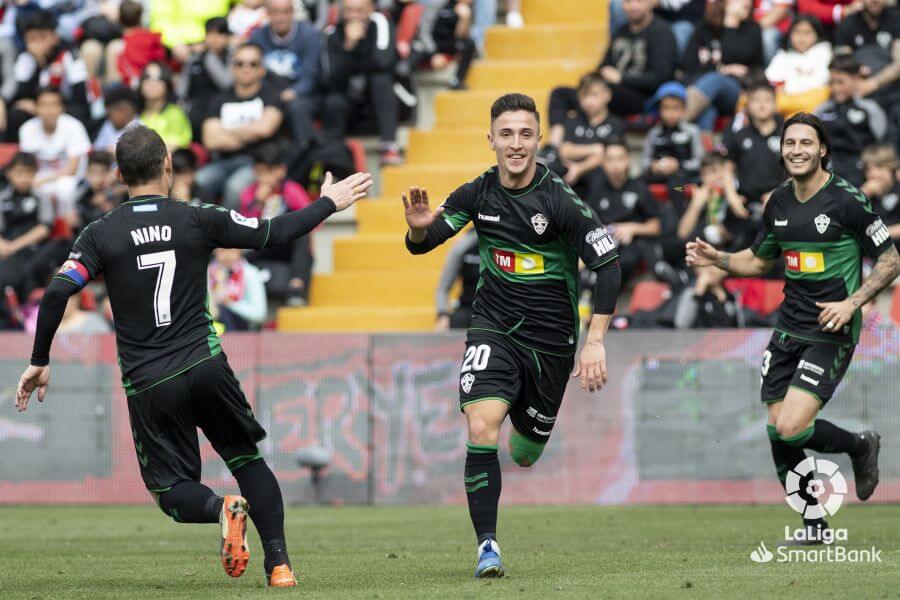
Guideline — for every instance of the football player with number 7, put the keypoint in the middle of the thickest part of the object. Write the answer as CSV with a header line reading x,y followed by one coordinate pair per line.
x,y
154,253
521,343
822,226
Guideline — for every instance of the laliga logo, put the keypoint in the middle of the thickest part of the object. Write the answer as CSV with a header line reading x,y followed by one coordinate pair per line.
x,y
815,488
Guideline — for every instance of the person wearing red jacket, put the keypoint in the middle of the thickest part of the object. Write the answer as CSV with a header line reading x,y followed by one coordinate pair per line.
x,y
830,12
140,46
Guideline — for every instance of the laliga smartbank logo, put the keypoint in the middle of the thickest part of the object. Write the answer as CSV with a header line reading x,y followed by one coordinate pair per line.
x,y
822,496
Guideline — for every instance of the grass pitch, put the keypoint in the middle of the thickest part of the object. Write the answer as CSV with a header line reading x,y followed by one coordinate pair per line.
x,y
429,552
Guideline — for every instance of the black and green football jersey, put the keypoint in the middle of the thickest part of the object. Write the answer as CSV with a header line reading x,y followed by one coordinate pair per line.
x,y
822,241
530,241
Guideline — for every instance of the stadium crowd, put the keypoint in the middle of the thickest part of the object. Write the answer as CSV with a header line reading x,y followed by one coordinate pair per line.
x,y
256,100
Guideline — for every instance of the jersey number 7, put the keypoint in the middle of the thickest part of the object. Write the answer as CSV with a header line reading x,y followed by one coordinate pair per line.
x,y
162,297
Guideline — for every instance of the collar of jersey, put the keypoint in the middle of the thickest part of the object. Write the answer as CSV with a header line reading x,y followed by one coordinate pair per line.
x,y
818,191
144,199
530,188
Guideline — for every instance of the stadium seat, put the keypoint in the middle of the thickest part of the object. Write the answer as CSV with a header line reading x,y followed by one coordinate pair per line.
x,y
761,295
358,152
648,295
895,305
408,26
7,151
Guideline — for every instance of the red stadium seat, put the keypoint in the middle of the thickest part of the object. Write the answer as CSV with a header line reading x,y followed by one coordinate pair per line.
x,y
407,27
358,152
895,305
200,153
648,295
6,153
61,229
761,295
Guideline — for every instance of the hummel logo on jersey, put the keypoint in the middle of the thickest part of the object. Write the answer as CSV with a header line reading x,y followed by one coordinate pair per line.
x,y
539,222
877,232
781,223
822,222
491,218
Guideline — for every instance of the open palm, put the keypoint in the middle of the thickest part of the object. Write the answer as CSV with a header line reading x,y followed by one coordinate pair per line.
x,y
419,215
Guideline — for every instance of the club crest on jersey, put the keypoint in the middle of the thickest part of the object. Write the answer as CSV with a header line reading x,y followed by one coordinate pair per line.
x,y
466,382
539,222
822,222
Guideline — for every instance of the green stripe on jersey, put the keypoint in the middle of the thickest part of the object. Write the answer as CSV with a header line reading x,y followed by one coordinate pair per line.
x,y
457,220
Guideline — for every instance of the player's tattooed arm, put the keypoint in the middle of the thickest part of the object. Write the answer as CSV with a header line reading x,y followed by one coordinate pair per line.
x,y
886,269
723,260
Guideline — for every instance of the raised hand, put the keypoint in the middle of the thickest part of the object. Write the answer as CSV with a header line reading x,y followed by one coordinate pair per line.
x,y
419,215
346,191
701,254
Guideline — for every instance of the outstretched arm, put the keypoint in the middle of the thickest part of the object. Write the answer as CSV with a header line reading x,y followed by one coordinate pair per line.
x,y
740,264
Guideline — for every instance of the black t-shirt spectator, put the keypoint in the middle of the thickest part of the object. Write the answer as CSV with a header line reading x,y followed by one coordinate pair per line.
x,y
19,213
709,49
757,157
580,131
375,53
683,142
631,203
888,206
852,127
203,77
233,111
871,47
646,58
64,71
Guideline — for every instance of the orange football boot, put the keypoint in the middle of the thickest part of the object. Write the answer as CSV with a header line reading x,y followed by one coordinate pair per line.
x,y
282,576
234,550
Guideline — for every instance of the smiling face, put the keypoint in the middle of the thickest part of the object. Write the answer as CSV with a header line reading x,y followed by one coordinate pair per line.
x,y
801,151
515,136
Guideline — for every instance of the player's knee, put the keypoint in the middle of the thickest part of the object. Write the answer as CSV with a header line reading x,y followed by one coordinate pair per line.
x,y
482,432
524,451
789,430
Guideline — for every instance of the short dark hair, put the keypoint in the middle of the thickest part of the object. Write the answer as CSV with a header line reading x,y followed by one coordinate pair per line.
x,y
49,90
805,118
184,161
618,142
590,79
217,25
711,159
130,13
140,154
246,45
843,63
23,159
812,21
270,154
760,85
513,103
39,20
101,157
122,95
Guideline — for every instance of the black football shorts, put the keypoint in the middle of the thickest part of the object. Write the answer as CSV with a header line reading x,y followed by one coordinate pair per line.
x,y
532,383
815,367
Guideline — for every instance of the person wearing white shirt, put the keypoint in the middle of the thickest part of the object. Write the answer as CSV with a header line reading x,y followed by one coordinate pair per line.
x,y
800,70
61,144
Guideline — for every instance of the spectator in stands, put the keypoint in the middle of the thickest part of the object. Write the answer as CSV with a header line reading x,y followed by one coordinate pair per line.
x,y
682,16
800,69
753,144
181,22
160,112
673,147
76,320
445,30
359,62
237,292
26,219
774,19
206,74
626,207
139,46
882,187
463,264
184,179
716,212
239,121
586,133
122,106
726,47
101,39
46,61
60,143
640,57
272,194
872,36
829,12
245,17
707,304
485,15
98,193
853,123
292,54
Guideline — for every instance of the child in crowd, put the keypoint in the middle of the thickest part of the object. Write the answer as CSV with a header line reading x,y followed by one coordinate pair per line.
x,y
800,70
207,74
674,147
122,106
445,31
236,290
270,195
140,46
716,212
881,186
98,193
184,179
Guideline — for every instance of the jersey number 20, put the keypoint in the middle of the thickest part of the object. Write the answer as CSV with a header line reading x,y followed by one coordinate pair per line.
x,y
476,358
162,297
